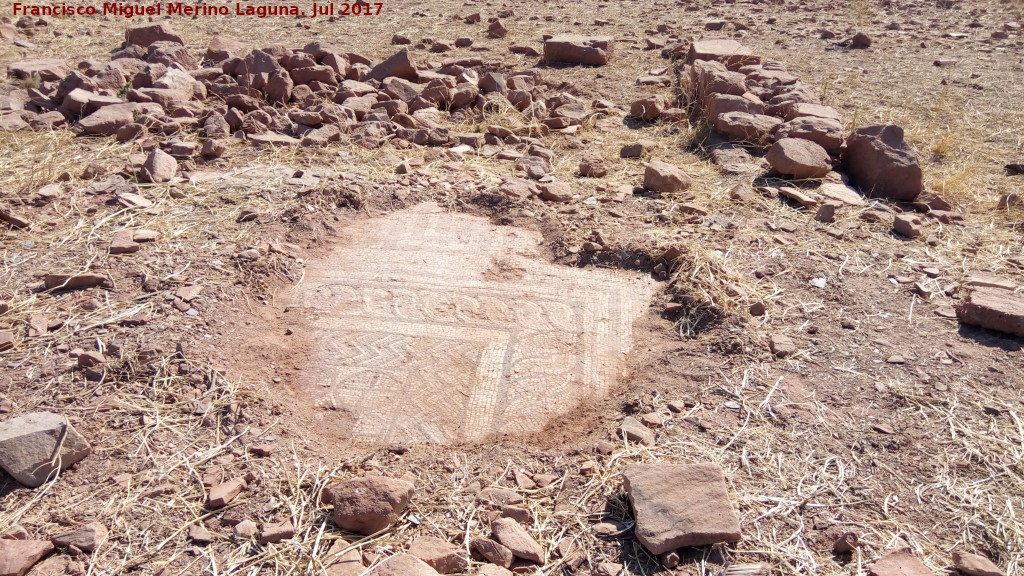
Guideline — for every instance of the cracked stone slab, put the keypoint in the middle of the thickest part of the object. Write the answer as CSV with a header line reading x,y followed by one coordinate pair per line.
x,y
439,327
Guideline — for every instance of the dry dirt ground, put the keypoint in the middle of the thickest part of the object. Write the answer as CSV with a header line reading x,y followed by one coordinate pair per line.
x,y
903,426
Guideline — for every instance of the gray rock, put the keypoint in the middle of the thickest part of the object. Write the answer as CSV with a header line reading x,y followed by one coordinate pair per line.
x,y
86,537
631,429
29,447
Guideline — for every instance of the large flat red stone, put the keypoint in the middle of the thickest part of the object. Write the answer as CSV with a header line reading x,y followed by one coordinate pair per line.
x,y
680,505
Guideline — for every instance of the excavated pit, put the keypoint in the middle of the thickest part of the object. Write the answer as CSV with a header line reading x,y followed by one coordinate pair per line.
x,y
428,326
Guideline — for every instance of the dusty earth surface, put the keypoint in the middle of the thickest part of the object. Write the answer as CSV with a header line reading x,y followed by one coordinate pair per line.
x,y
253,337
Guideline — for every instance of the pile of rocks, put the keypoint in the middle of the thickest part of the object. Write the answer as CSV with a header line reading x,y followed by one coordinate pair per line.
x,y
763,106
372,504
758,106
154,87
155,93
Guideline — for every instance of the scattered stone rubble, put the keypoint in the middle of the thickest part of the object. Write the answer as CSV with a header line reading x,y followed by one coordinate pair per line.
x,y
155,92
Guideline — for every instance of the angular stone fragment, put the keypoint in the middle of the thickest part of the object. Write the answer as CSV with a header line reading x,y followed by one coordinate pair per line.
x,y
123,242
799,158
901,562
908,225
556,192
680,505
88,537
58,565
146,34
403,565
535,167
401,89
710,78
798,196
494,552
171,54
159,166
840,193
987,280
975,565
735,160
221,48
649,108
400,65
29,447
781,345
369,504
881,163
995,309
593,166
729,52
497,29
499,496
721,103
73,281
224,493
514,537
342,562
794,110
441,555
576,49
258,62
48,70
492,570
637,149
665,178
13,122
824,132
279,87
631,429
108,119
17,556
277,531
272,139
199,534
608,569
6,340
14,220
742,127
244,530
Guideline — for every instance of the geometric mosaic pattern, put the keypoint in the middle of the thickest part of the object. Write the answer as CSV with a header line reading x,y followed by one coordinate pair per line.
x,y
441,327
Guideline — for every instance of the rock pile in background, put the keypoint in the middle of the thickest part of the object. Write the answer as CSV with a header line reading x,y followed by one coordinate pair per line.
x,y
155,93
761,106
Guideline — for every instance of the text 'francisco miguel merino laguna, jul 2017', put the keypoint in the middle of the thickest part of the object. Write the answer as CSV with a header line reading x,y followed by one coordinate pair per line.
x,y
126,10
